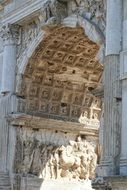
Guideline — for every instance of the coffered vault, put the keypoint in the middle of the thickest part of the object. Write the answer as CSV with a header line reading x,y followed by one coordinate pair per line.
x,y
51,83
60,76
56,70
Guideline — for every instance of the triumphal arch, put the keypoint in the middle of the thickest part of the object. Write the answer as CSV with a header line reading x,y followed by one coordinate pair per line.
x,y
63,94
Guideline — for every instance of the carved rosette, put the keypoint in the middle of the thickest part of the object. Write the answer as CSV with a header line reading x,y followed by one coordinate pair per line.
x,y
10,34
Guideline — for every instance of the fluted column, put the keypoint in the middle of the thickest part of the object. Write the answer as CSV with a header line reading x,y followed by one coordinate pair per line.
x,y
123,159
8,101
8,104
112,95
9,33
112,118
113,27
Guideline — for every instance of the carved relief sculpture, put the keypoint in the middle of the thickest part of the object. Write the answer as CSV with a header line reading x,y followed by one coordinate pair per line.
x,y
77,160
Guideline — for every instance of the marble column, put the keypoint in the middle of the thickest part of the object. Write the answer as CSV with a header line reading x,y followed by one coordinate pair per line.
x,y
8,101
9,33
123,159
112,94
113,27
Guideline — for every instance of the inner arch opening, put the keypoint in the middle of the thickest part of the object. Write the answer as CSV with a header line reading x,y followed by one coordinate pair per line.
x,y
60,77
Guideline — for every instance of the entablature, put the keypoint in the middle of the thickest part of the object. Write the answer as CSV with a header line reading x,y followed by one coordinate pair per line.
x,y
36,122
4,3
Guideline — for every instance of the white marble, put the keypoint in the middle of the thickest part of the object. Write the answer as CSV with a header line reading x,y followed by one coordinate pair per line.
x,y
124,34
1,66
111,135
16,12
30,10
9,34
9,64
8,104
123,164
113,27
65,184
123,159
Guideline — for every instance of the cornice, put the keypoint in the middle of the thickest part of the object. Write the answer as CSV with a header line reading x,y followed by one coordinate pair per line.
x,y
31,121
3,3
26,12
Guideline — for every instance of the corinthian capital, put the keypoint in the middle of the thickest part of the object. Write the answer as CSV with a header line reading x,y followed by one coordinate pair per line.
x,y
10,33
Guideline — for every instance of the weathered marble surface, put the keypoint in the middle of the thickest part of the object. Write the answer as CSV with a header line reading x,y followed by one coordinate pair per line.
x,y
9,34
58,80
44,95
47,155
35,184
67,185
114,27
123,56
116,182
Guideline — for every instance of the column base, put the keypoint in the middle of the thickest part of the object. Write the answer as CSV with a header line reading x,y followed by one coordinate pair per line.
x,y
123,166
105,168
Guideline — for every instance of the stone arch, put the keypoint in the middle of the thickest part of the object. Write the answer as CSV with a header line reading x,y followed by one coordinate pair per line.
x,y
90,29
56,82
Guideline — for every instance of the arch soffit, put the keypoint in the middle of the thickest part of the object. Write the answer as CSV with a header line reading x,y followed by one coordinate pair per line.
x,y
58,66
90,30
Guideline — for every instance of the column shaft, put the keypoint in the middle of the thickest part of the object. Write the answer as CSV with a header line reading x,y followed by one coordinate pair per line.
x,y
123,159
8,104
112,104
9,64
112,97
9,33
113,27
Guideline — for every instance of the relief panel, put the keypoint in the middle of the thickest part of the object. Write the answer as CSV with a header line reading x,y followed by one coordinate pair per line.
x,y
76,160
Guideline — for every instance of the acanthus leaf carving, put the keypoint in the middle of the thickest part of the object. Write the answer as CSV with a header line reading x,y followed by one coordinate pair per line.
x,y
10,33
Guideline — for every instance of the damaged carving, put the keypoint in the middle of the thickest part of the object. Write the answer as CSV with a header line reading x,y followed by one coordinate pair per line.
x,y
77,160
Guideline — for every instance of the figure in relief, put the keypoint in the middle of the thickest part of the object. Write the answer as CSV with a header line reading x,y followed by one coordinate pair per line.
x,y
84,117
77,160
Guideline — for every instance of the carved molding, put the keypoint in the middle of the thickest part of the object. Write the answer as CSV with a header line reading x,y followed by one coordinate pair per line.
x,y
55,12
36,122
27,35
10,33
4,3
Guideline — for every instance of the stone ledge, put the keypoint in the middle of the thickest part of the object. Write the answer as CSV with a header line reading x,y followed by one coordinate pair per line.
x,y
36,122
64,184
110,183
116,179
117,182
24,12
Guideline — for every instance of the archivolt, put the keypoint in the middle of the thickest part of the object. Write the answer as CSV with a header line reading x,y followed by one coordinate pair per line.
x,y
60,75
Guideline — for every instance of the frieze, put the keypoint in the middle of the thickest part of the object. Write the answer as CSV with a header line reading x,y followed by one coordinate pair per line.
x,y
76,160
